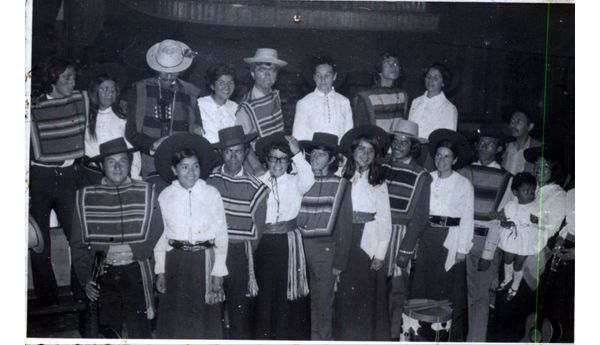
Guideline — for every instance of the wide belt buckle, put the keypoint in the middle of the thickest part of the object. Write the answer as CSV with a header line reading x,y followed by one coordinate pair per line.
x,y
444,220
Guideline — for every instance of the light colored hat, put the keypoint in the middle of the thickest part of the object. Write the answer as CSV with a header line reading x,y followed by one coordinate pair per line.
x,y
35,239
169,56
267,55
408,128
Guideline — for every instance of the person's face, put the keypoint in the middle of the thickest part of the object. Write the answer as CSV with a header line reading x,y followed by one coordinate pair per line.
x,y
107,93
277,162
364,154
187,172
65,84
233,158
167,79
401,145
324,77
264,76
444,159
434,81
223,87
542,171
525,193
116,168
390,69
320,159
519,125
487,148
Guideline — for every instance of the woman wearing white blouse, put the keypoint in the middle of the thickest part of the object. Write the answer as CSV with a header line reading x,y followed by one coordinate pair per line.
x,y
440,271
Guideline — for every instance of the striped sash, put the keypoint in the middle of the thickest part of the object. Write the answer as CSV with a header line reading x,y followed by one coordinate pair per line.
x,y
265,113
320,206
402,187
490,185
385,105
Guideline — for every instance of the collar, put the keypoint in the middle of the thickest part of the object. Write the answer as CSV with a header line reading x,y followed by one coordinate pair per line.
x,y
105,182
239,174
105,111
256,93
493,164
321,94
435,99
199,184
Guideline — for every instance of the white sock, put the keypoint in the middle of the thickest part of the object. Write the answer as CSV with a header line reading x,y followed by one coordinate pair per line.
x,y
508,273
517,280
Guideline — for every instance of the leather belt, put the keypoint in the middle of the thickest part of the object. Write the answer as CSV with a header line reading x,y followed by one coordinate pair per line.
x,y
191,247
479,231
362,217
444,221
280,227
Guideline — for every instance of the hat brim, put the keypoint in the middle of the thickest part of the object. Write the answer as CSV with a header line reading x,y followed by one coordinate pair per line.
x,y
278,137
34,231
371,130
104,155
277,62
550,152
500,136
410,136
464,149
151,60
237,141
165,151
311,145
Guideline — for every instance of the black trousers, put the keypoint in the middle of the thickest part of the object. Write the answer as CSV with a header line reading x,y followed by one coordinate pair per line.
x,y
235,284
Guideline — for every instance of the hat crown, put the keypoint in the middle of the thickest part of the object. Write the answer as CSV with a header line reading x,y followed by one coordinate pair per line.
x,y
113,147
266,53
229,134
405,127
169,54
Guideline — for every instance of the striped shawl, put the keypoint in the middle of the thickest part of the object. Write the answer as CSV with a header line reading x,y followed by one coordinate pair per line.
x,y
384,105
490,185
264,112
320,206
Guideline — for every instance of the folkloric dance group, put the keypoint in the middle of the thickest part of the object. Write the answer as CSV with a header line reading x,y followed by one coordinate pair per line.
x,y
371,213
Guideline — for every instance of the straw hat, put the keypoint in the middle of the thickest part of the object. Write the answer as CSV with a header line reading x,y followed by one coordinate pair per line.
x,y
407,128
169,56
267,55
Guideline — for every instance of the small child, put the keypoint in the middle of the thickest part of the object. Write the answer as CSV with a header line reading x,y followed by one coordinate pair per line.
x,y
519,237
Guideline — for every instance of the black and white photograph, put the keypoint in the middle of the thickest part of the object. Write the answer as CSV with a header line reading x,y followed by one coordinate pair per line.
x,y
230,171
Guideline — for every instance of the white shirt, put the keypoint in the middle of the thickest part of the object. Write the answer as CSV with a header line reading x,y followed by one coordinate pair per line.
x,y
570,209
108,127
318,112
193,215
216,117
514,161
287,191
433,113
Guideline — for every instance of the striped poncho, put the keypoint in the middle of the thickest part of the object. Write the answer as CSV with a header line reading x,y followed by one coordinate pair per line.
x,y
264,113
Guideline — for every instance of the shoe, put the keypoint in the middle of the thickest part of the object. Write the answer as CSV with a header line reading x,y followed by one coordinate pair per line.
x,y
505,285
511,294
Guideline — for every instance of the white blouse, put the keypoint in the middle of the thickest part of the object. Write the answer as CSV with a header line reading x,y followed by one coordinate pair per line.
x,y
193,215
433,113
216,117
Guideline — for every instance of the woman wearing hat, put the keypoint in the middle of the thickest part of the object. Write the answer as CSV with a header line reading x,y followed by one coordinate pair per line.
x,y
361,302
163,105
190,255
282,306
440,272
409,189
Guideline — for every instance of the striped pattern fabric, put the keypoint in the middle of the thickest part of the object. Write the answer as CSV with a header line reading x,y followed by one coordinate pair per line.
x,y
116,214
385,105
319,204
148,281
490,185
241,195
265,112
58,128
402,187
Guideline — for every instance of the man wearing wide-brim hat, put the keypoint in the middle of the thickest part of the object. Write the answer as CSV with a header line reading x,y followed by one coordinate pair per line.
x,y
164,104
245,201
260,109
521,122
120,216
491,184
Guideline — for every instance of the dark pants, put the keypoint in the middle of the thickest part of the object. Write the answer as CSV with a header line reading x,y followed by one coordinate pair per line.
x,y
122,301
51,189
235,284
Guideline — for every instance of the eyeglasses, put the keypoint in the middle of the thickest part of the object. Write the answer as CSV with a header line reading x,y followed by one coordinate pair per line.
x,y
282,160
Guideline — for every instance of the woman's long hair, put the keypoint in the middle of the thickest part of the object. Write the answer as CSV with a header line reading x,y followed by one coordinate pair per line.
x,y
376,176
95,103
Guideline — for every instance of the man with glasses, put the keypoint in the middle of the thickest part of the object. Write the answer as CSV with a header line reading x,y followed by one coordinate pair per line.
x,y
520,123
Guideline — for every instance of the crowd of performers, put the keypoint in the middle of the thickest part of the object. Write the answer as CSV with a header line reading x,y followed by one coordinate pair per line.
x,y
216,223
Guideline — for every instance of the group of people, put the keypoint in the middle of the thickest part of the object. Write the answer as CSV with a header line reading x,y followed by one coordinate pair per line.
x,y
367,209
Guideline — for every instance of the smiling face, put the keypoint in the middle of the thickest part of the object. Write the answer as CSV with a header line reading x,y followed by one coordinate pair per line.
x,y
390,70
519,125
116,168
444,159
280,164
107,93
223,87
324,77
65,84
264,76
187,172
364,154
233,158
542,170
401,145
434,81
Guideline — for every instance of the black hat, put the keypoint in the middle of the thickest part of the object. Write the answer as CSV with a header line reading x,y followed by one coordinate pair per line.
x,y
232,136
371,130
464,150
549,151
164,154
492,131
112,147
329,141
277,137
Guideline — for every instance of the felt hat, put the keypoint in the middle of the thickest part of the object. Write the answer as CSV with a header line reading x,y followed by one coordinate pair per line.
x,y
371,130
112,147
232,136
407,128
169,56
267,55
277,137
549,152
492,131
164,154
329,141
464,149
35,239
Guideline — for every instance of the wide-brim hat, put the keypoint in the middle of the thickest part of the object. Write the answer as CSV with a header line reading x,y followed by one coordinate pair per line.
x,y
35,239
277,137
232,136
326,140
169,56
552,152
464,149
365,130
266,55
408,128
497,132
164,154
113,147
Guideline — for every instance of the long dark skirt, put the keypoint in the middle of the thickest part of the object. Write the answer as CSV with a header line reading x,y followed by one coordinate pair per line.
x,y
276,317
431,281
182,313
360,308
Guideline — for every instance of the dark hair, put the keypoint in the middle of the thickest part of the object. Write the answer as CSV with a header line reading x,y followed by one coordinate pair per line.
x,y
182,154
445,71
415,147
529,112
497,156
321,59
379,67
521,179
376,176
333,166
129,157
449,144
268,64
556,170
273,145
215,72
95,103
54,67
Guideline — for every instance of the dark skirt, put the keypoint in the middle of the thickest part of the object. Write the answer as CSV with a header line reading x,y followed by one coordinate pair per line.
x,y
182,313
431,281
276,317
360,308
